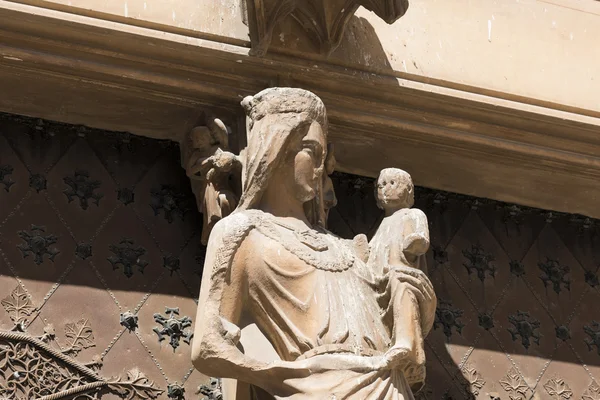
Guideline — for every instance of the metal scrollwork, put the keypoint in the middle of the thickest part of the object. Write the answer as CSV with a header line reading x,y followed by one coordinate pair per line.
x,y
83,250
82,187
129,320
175,391
448,317
433,199
125,196
512,213
593,331
170,201
440,256
563,333
38,244
591,279
38,182
585,224
171,263
479,261
128,255
517,268
32,369
212,391
173,327
486,321
526,327
5,171
555,274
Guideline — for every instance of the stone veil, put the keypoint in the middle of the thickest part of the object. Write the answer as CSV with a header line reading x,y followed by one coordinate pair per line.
x,y
312,295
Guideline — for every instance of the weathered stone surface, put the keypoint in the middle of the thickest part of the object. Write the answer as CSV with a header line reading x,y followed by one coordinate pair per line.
x,y
330,325
324,20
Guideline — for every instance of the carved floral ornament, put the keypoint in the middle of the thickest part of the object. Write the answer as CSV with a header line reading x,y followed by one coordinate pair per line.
x,y
41,368
323,20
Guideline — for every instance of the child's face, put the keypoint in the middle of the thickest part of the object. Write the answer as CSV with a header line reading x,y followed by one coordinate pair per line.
x,y
392,191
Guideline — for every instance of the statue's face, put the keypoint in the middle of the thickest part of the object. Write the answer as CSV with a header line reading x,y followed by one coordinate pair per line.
x,y
393,191
307,159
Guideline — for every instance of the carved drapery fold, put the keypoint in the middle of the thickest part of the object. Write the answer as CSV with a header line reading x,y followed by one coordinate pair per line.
x,y
323,20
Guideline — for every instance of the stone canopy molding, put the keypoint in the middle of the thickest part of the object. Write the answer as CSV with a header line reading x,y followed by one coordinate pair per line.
x,y
323,20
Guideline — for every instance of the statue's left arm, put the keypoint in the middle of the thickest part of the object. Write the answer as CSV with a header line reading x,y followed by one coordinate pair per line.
x,y
416,243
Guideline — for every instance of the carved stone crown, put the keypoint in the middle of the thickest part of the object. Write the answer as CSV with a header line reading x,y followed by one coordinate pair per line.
x,y
283,101
324,20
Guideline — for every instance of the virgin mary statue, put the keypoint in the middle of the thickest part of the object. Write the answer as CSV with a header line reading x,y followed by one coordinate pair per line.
x,y
271,264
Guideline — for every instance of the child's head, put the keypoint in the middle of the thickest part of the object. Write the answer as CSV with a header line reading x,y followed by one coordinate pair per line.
x,y
395,190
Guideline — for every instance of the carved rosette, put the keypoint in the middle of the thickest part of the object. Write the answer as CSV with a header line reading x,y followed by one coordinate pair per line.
x,y
323,20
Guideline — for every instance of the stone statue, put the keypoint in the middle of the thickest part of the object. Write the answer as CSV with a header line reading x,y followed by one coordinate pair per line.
x,y
273,265
329,198
213,172
401,241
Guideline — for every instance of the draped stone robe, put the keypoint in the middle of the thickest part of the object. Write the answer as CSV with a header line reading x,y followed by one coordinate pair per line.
x,y
309,295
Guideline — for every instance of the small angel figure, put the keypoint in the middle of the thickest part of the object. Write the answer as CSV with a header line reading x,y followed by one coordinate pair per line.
x,y
214,171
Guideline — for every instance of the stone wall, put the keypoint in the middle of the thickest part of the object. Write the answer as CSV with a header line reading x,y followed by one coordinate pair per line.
x,y
532,51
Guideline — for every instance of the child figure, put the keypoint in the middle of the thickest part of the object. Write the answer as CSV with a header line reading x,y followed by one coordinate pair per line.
x,y
400,242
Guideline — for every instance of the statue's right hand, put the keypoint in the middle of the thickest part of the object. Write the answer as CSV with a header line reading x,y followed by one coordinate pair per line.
x,y
281,377
274,377
323,363
285,370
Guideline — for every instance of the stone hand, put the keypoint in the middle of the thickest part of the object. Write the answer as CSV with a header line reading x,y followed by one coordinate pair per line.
x,y
395,357
423,290
279,377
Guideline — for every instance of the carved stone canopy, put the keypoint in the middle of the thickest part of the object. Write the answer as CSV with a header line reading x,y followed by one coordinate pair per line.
x,y
323,20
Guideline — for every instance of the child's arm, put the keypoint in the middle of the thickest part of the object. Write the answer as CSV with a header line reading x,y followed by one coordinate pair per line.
x,y
416,242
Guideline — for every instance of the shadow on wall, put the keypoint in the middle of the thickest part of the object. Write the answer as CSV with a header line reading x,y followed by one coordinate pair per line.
x,y
517,293
362,46
516,286
359,44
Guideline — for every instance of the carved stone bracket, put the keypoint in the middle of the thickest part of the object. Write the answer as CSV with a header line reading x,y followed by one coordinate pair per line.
x,y
324,20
